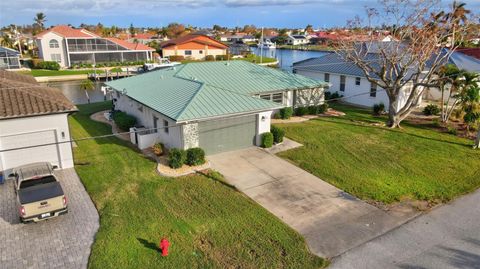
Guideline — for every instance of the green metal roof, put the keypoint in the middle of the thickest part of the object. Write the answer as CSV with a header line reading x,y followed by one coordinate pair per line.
x,y
209,89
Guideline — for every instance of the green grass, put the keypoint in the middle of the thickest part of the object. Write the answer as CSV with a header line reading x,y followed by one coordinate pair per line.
x,y
377,163
47,73
209,224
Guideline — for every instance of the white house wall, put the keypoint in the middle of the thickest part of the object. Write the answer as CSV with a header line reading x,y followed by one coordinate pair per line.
x,y
360,94
57,123
172,139
263,125
45,52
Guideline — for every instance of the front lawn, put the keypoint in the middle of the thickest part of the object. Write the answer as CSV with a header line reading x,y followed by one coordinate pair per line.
x,y
209,224
377,163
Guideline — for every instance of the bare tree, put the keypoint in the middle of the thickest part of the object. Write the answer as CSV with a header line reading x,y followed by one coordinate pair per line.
x,y
404,68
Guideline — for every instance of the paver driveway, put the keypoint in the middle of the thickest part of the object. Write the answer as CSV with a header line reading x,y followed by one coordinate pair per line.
x,y
331,220
62,242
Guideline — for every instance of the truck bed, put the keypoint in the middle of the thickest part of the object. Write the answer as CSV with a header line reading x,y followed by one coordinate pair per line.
x,y
40,192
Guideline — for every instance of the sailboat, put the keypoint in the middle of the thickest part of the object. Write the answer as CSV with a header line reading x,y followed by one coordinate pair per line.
x,y
266,43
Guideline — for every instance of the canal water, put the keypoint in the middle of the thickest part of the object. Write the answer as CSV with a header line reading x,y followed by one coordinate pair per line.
x,y
71,90
287,57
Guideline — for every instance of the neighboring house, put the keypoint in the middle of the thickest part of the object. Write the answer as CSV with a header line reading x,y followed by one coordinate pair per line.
x,y
70,46
146,38
195,47
33,123
218,106
348,80
463,59
472,52
297,40
9,58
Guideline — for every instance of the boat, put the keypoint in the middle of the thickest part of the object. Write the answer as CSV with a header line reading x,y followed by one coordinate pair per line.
x,y
160,64
266,43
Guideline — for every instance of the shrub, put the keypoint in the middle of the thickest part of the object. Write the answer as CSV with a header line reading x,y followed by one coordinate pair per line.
x,y
322,108
267,140
301,111
209,58
49,65
176,158
452,130
123,120
195,156
277,133
312,110
277,116
286,113
158,149
221,57
335,95
35,62
431,109
378,109
176,58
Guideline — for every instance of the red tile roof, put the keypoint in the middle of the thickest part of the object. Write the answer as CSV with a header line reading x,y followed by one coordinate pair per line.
x,y
129,45
143,36
202,39
473,52
67,31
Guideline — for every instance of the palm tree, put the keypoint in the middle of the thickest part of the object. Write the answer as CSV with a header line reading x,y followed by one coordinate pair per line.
x,y
457,16
87,85
7,41
40,19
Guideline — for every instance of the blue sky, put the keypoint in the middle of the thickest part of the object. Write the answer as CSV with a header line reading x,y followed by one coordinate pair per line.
x,y
203,13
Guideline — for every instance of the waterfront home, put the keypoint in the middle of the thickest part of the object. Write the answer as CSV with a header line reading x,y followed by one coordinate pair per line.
x,y
9,58
194,47
348,80
33,123
218,106
70,46
297,40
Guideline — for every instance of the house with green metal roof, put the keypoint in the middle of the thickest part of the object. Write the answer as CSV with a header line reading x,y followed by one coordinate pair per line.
x,y
218,106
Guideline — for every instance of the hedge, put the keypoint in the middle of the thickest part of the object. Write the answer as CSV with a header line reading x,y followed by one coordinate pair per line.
x,y
301,111
176,58
286,113
195,156
176,158
322,108
277,133
123,120
49,65
267,140
209,58
312,110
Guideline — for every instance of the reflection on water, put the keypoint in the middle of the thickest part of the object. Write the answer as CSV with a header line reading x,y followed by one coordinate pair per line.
x,y
71,90
287,57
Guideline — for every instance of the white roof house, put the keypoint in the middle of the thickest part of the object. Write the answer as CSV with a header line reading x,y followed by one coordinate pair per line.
x,y
297,40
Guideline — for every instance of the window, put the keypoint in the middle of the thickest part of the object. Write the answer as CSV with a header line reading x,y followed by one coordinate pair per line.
x,y
200,51
165,126
53,44
342,83
327,77
56,57
188,52
373,90
155,124
357,81
277,98
140,108
265,96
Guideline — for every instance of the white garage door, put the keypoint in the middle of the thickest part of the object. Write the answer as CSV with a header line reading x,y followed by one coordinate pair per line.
x,y
35,153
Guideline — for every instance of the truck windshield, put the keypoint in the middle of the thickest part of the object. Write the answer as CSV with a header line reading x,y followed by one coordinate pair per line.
x,y
36,181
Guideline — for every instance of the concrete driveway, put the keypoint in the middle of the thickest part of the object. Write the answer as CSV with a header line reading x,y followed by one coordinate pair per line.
x,y
331,220
62,242
447,237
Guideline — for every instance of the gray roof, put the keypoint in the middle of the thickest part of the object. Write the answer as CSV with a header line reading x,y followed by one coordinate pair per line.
x,y
329,63
465,62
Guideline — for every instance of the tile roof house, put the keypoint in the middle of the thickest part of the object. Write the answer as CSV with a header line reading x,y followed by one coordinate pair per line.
x,y
70,46
33,123
218,106
193,46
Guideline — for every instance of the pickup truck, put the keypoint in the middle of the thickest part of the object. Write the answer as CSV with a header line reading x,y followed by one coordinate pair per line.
x,y
39,194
